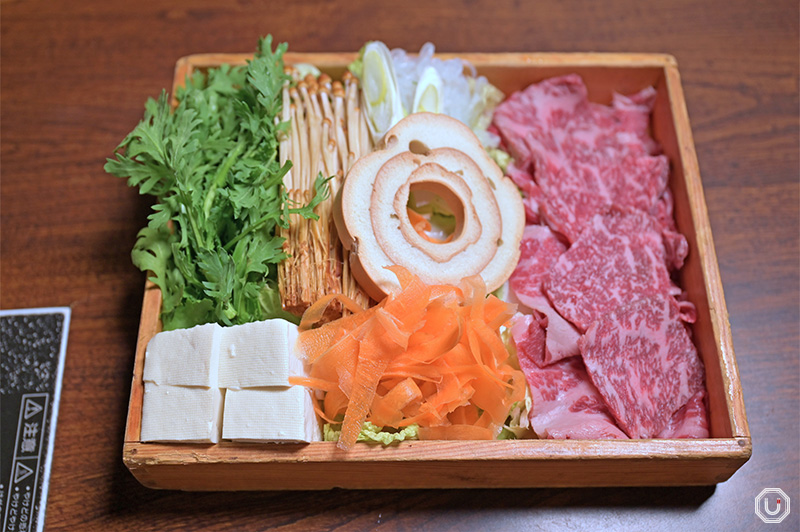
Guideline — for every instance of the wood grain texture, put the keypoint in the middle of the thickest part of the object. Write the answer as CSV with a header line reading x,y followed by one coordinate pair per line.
x,y
74,79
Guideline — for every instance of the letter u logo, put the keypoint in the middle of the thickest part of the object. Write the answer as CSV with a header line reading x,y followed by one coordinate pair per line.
x,y
766,507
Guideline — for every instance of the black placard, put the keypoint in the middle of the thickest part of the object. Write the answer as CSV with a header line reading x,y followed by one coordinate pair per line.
x,y
33,344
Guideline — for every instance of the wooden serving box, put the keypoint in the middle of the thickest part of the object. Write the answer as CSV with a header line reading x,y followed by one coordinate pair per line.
x,y
505,463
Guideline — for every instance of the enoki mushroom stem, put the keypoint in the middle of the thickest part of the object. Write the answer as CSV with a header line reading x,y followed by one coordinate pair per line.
x,y
327,136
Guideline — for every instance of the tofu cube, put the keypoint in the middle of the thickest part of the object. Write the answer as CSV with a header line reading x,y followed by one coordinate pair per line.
x,y
277,414
184,357
181,414
257,354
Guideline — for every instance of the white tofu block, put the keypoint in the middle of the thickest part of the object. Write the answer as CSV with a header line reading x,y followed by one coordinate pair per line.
x,y
257,354
276,414
181,414
184,357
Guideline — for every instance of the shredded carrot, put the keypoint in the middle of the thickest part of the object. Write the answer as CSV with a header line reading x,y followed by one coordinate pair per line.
x,y
318,384
422,225
315,312
388,410
430,355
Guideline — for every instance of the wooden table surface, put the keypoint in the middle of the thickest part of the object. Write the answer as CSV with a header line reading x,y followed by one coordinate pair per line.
x,y
74,79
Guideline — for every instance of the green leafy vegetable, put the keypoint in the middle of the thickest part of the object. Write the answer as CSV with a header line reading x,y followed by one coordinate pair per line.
x,y
517,424
499,156
357,66
373,433
210,243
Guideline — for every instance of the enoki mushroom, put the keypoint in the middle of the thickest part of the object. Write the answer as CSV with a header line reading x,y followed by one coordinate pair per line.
x,y
328,134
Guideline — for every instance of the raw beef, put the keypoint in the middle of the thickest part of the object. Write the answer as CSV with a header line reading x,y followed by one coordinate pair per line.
x,y
531,193
586,157
561,337
540,248
527,332
691,421
675,244
565,403
618,258
594,177
643,363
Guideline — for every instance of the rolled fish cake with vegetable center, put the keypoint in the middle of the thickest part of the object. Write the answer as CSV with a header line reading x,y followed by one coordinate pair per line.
x,y
439,155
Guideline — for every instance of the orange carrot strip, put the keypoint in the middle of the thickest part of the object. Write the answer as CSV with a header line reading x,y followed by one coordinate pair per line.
x,y
442,330
335,403
495,351
474,289
473,343
315,312
317,384
451,394
422,225
485,421
312,342
387,410
419,222
446,293
464,415
430,355
321,413
409,304
428,388
426,417
338,357
519,385
406,373
392,329
375,351
497,312
485,398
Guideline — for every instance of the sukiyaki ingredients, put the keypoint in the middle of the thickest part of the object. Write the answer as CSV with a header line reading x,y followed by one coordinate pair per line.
x,y
373,433
273,414
540,249
690,421
183,357
586,157
191,376
436,154
425,84
566,405
642,360
328,132
257,354
185,414
210,243
429,355
428,97
598,256
380,90
618,258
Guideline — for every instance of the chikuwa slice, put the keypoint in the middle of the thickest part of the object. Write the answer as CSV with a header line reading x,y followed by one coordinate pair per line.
x,y
429,154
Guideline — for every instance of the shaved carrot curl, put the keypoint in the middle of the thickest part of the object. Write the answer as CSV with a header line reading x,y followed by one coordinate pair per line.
x,y
315,312
430,355
422,225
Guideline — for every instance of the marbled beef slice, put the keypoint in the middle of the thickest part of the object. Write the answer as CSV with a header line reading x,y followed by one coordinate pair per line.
x,y
642,361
